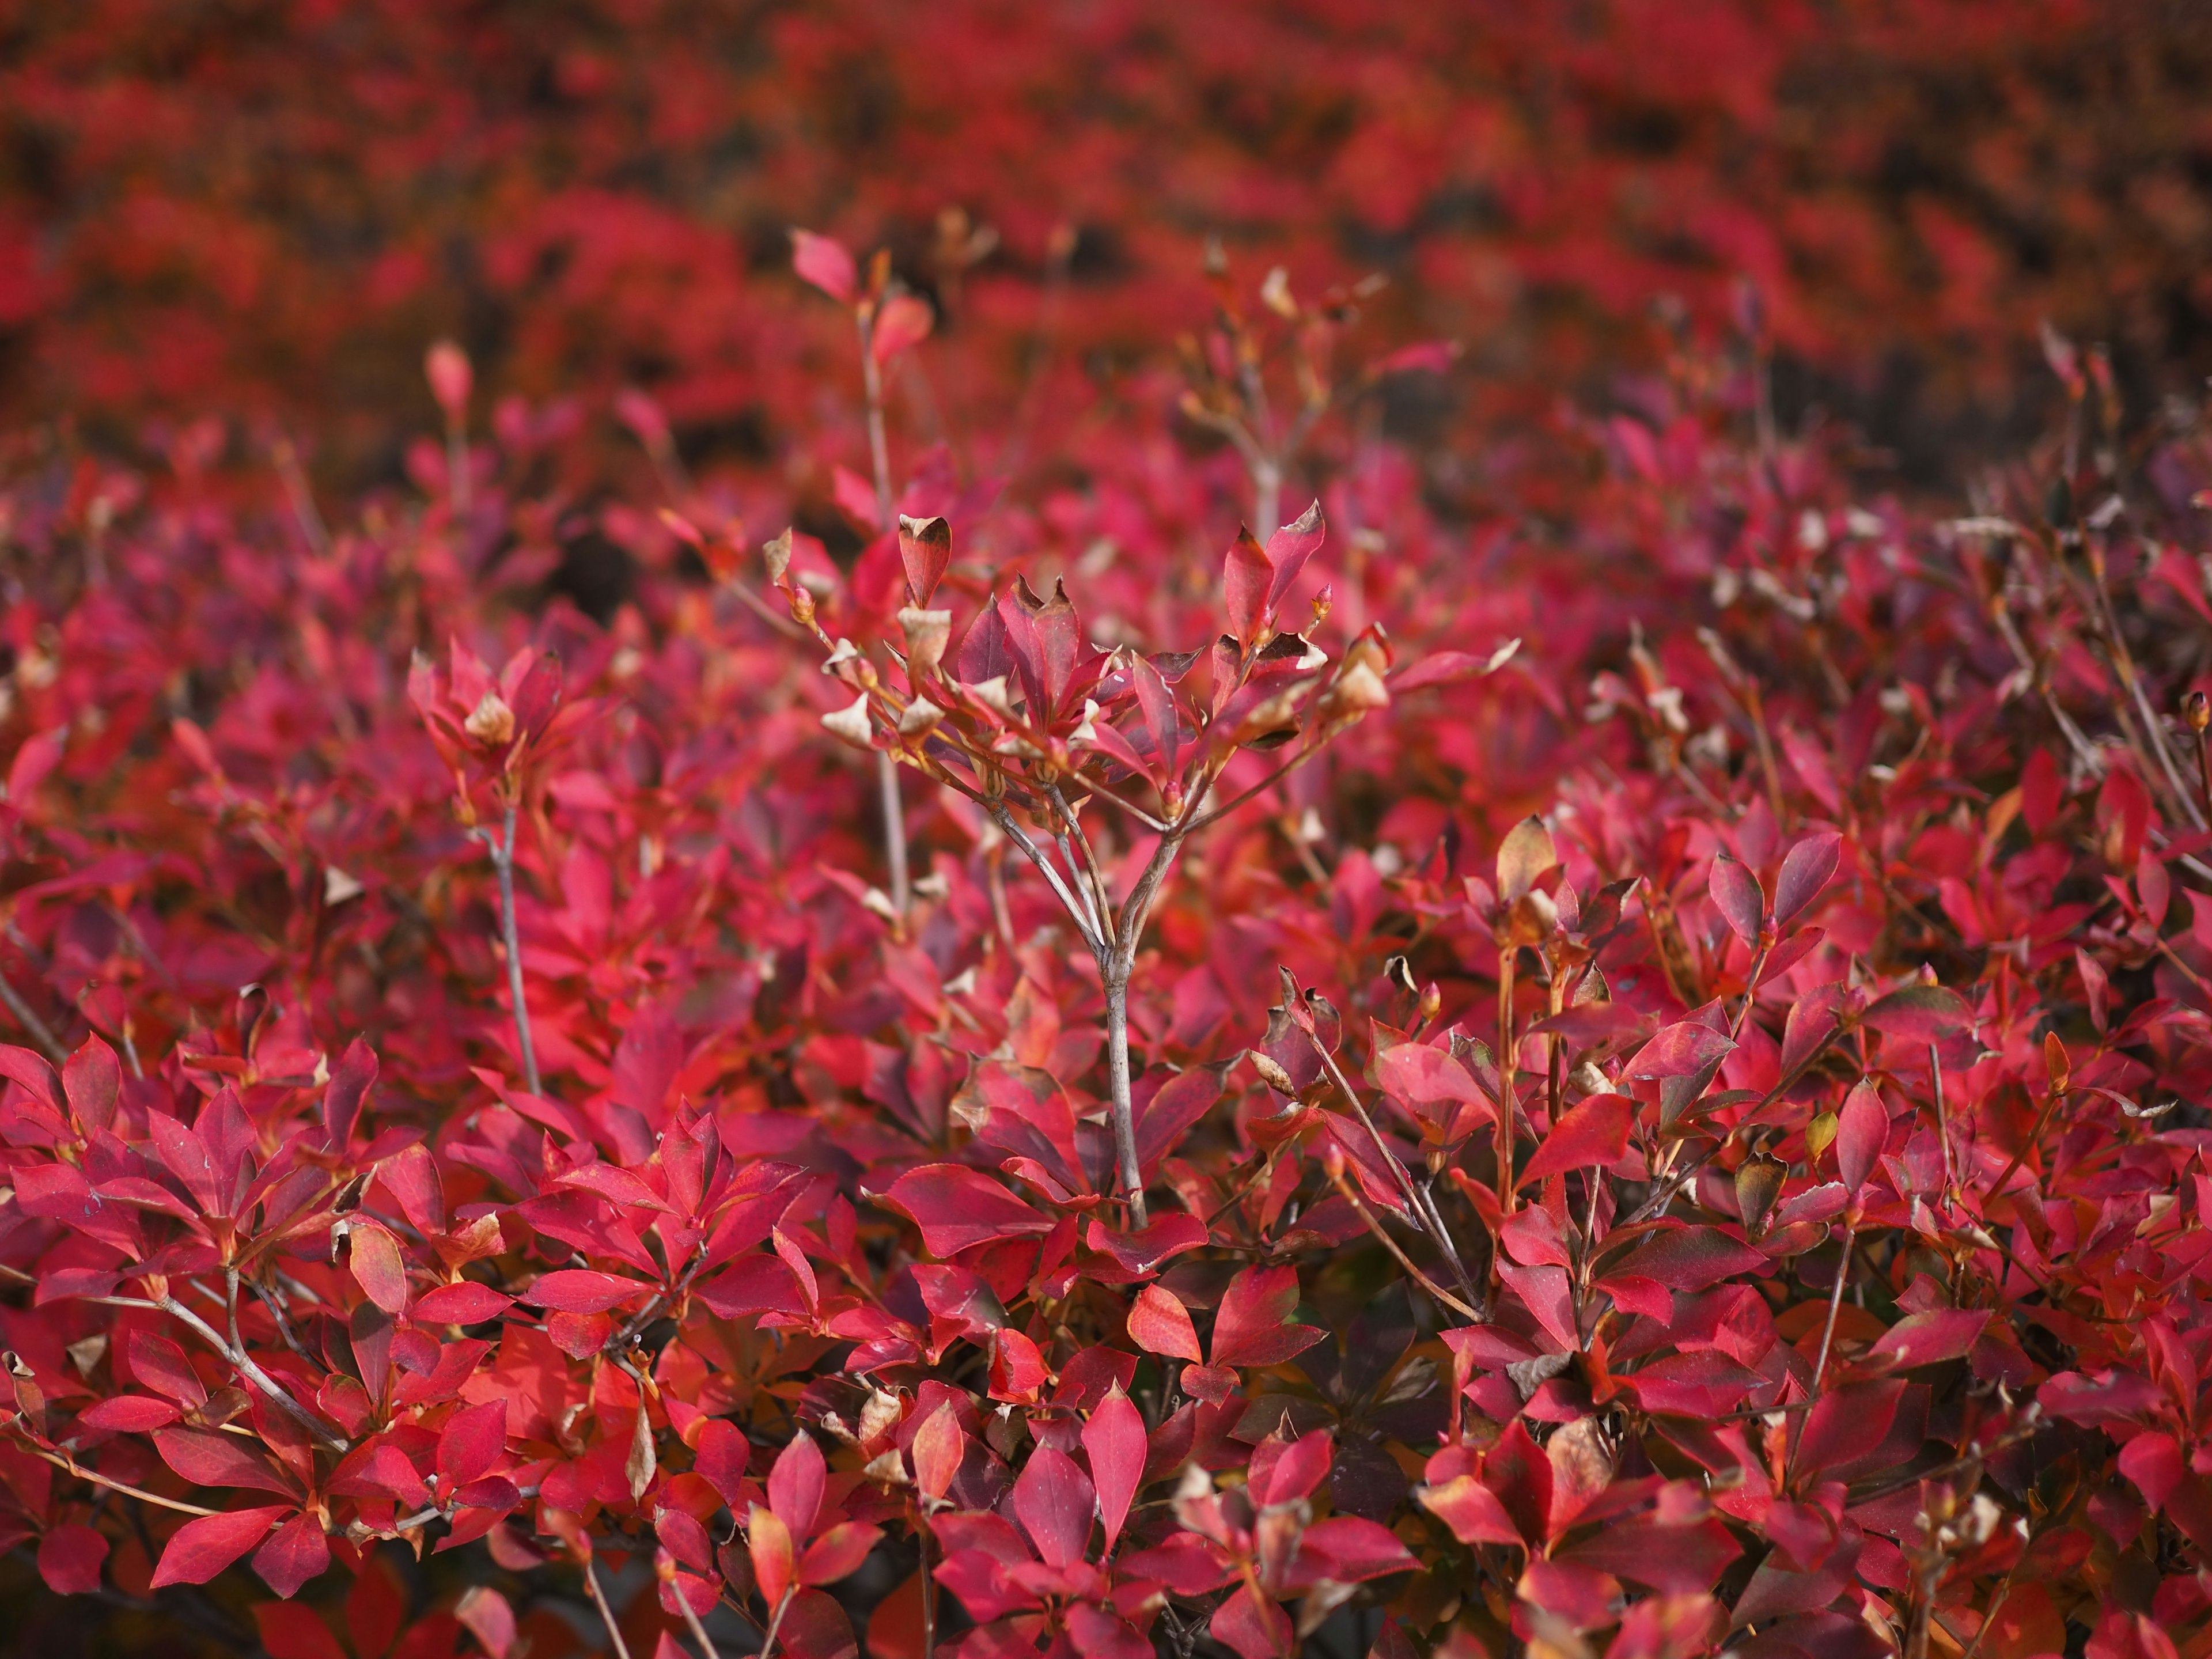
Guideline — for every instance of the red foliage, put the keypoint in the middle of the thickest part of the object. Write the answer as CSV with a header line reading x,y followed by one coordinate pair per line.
x,y
1618,1080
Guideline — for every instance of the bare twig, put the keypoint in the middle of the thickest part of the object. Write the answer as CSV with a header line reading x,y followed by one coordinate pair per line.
x,y
502,859
27,1017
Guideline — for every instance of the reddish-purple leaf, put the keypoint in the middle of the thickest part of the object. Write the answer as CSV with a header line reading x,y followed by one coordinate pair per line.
x,y
130,1413
206,1459
296,1553
1919,1013
351,1081
374,1259
1284,1471
838,1552
1420,1075
1054,1500
795,1482
1735,893
924,548
1160,1324
1115,1442
1848,1423
1805,872
1288,550
202,1548
1925,1338
775,1561
1682,1050
464,1303
92,1079
1594,1131
904,321
1245,576
70,1558
160,1364
1348,1549
473,1439
956,1208
1862,1131
584,1291
1471,1509
1677,1560
824,263
1253,1325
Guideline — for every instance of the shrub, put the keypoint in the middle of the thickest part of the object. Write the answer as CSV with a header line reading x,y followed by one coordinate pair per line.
x,y
1682,1135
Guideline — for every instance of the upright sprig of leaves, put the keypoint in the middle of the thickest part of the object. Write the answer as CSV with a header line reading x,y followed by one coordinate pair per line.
x,y
1034,724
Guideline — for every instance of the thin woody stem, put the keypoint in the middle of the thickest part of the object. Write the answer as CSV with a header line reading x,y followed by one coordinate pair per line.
x,y
607,1614
698,1631
139,1492
879,454
1443,1296
502,860
38,1031
245,1365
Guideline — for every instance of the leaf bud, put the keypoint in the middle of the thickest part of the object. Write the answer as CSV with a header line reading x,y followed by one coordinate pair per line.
x,y
2196,709
926,635
491,723
851,723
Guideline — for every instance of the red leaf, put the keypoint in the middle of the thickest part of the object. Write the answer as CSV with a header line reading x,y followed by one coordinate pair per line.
x,y
465,1304
1676,1559
1805,872
203,1547
924,548
294,1632
1159,1324
1253,1325
1053,1500
1682,1050
956,1207
938,1446
1245,575
1862,1131
1289,549
838,1554
473,1439
69,1558
583,1291
1420,1075
1594,1131
795,1482
1017,1368
1115,1442
217,1460
768,1542
1349,1549
825,264
904,321
1919,1013
130,1413
351,1081
1925,1338
1471,1509
1847,1424
160,1364
1143,1252
92,1077
1737,896
374,1261
296,1553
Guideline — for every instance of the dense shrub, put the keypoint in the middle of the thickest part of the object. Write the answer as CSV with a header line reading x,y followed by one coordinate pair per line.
x,y
1680,1132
